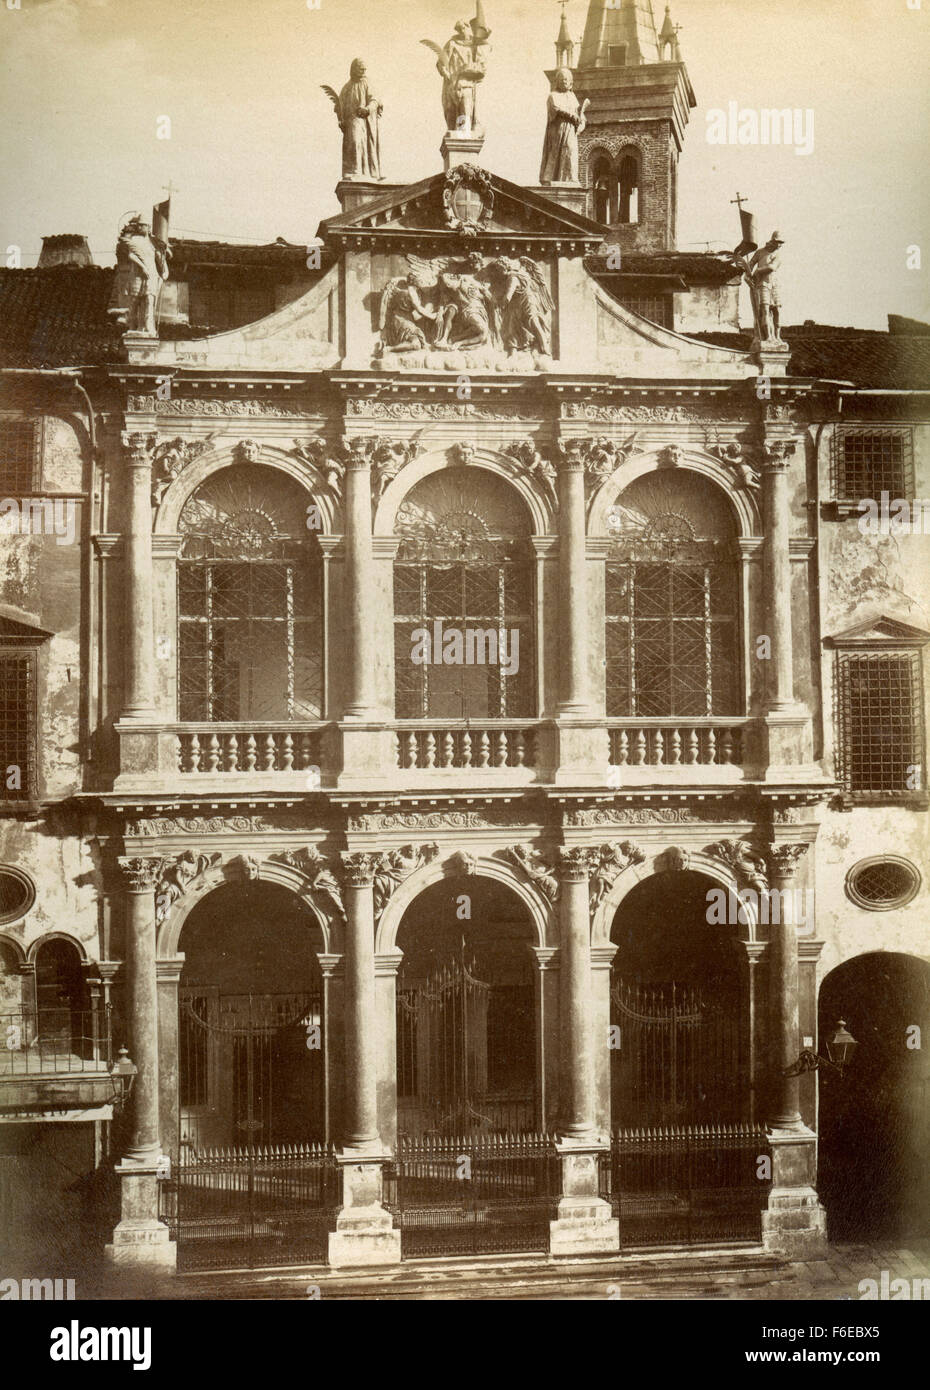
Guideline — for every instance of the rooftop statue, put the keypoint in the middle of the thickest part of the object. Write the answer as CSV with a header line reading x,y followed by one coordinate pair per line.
x,y
358,112
462,64
761,267
566,120
141,270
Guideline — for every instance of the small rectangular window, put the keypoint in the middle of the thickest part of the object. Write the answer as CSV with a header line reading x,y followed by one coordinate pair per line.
x,y
17,728
616,55
880,724
19,456
870,462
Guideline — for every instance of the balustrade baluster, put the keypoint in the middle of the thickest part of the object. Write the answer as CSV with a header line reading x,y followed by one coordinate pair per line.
x,y
711,747
676,747
430,759
519,749
466,749
412,750
484,749
287,755
270,753
658,748
639,748
193,754
694,748
726,746
448,749
623,748
501,754
232,753
251,753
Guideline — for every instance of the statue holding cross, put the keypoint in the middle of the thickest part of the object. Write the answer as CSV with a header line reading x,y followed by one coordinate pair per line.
x,y
462,64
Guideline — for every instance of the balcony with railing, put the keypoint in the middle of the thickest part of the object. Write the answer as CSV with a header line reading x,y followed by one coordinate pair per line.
x,y
489,750
55,1058
677,750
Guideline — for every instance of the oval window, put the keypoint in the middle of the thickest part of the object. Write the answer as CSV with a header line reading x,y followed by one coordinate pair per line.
x,y
882,883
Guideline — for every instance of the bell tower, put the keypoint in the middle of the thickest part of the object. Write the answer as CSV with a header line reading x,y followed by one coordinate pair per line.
x,y
640,99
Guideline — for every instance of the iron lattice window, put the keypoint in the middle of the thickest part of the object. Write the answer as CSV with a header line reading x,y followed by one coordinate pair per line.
x,y
17,727
868,463
469,596
656,308
249,639
882,884
671,639
19,455
880,703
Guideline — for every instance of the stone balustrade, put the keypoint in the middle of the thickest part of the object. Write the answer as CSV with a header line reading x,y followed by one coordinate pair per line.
x,y
439,746
213,749
671,743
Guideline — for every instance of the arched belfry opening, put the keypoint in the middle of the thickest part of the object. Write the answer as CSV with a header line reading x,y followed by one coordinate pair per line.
x,y
466,1016
251,1048
874,1152
680,1008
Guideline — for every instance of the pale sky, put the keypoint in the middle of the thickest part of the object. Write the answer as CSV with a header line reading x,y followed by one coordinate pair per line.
x,y
254,151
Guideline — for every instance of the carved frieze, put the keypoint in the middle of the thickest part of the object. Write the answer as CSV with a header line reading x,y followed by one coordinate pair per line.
x,y
196,825
188,405
631,815
432,410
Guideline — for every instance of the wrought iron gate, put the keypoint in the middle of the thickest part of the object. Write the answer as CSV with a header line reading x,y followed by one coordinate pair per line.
x,y
682,1056
247,1209
475,1195
461,1046
690,1185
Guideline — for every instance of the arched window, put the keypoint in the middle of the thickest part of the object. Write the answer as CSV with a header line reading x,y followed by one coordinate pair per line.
x,y
464,567
603,183
63,1007
628,203
249,601
672,603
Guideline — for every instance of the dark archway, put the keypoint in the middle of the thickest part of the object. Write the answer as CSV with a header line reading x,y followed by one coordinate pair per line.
x,y
680,999
466,1016
64,1026
874,1165
251,1045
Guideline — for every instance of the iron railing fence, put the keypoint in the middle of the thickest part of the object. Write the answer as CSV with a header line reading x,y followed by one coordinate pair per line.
x,y
271,1205
688,1185
473,1194
52,1042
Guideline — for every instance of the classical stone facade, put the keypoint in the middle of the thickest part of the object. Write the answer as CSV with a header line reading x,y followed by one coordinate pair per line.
x,y
713,680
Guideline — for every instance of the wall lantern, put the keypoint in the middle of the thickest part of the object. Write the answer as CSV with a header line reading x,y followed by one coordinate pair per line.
x,y
840,1048
122,1073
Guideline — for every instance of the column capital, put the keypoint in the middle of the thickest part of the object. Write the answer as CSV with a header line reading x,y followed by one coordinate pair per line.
x,y
786,858
777,454
139,448
140,875
358,868
573,862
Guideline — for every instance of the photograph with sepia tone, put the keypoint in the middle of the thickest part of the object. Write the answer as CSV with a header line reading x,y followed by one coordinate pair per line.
x,y
464,629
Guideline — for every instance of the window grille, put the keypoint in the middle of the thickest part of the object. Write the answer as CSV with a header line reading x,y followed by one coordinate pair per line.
x,y
880,884
868,463
881,734
17,727
655,308
19,456
671,639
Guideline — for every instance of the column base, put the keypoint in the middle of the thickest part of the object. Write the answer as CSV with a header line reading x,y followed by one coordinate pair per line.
x,y
584,1226
795,1224
140,1238
364,1236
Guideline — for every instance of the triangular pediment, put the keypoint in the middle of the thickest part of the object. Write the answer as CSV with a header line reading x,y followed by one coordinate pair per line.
x,y
880,629
466,203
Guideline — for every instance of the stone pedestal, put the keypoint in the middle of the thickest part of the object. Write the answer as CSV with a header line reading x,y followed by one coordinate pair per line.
x,y
367,757
581,754
353,193
570,195
140,1238
795,1224
364,1233
584,1224
460,148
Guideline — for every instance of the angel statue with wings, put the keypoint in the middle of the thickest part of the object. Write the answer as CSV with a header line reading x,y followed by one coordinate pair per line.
x,y
462,65
358,112
405,319
526,306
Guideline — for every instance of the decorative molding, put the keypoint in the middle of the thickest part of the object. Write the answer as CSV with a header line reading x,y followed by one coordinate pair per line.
x,y
315,868
196,825
606,863
172,456
433,410
468,176
639,414
538,868
191,405
396,865
530,464
631,815
573,863
747,864
139,447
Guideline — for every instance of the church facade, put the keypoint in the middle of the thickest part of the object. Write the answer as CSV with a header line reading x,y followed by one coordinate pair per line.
x,y
463,736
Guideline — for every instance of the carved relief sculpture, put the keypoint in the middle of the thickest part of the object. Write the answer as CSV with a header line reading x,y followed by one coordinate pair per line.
x,y
537,868
607,862
392,868
176,878
747,864
170,460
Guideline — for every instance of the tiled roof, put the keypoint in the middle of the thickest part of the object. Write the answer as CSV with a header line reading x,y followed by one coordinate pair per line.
x,y
57,317
696,267
899,360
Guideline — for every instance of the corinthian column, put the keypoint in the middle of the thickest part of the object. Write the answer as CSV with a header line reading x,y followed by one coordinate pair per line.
x,y
140,1238
777,572
361,1040
573,596
576,997
785,1111
139,684
360,700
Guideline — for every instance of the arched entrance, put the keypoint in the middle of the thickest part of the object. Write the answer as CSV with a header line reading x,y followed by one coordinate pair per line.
x,y
684,1149
466,1018
679,997
874,1161
251,1050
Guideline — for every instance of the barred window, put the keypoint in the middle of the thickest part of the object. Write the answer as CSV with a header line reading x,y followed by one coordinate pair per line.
x,y
463,566
656,308
672,638
17,727
19,456
870,462
880,705
249,602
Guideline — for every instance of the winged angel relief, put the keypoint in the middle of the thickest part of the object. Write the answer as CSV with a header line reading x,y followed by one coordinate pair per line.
x,y
458,305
